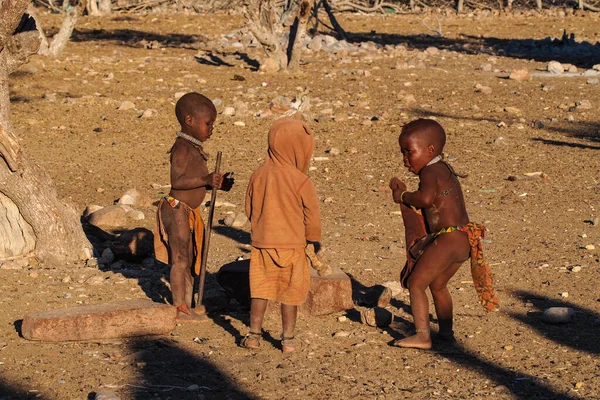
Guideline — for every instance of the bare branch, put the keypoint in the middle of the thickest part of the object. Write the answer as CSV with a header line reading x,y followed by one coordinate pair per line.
x,y
439,29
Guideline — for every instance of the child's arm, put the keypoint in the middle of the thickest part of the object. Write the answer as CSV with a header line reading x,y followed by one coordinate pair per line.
x,y
312,215
422,198
184,179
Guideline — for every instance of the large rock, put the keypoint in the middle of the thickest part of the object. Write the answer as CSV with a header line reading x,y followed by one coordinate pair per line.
x,y
327,294
133,245
109,217
100,321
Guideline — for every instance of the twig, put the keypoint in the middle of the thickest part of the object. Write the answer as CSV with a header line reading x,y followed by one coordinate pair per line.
x,y
590,7
439,29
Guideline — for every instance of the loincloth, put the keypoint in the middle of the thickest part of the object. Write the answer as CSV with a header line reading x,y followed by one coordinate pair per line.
x,y
161,237
481,272
279,274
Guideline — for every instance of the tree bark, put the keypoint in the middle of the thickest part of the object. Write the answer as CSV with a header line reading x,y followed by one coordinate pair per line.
x,y
59,237
298,43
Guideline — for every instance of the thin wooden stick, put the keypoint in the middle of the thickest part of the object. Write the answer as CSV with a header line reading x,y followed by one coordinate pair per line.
x,y
199,280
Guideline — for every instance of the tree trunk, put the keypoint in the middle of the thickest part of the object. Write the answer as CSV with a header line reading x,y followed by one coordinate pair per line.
x,y
104,6
59,237
60,40
459,6
295,49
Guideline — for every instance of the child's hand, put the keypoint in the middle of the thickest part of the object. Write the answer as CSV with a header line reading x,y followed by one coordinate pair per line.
x,y
397,184
228,182
215,180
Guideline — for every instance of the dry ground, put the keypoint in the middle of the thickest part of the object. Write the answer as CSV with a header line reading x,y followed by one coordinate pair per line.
x,y
538,228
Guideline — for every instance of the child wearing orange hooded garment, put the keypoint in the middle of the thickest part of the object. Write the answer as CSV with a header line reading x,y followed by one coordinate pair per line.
x,y
282,206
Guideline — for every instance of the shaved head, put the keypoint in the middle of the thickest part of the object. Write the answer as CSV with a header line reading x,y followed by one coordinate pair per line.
x,y
428,131
192,104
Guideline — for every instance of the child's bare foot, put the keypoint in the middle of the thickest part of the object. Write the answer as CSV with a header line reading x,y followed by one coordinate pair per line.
x,y
251,341
289,345
199,309
421,340
185,315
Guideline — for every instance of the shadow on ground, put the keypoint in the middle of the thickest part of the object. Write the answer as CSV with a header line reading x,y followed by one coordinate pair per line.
x,y
167,371
11,391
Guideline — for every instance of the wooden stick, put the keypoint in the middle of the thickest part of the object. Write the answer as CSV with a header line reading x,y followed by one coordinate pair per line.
x,y
199,280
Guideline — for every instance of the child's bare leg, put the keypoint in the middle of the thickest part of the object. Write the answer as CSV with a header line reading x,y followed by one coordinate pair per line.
x,y
177,226
414,224
439,257
257,314
288,319
443,301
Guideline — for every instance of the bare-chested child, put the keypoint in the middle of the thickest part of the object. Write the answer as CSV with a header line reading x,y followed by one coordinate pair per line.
x,y
441,238
180,229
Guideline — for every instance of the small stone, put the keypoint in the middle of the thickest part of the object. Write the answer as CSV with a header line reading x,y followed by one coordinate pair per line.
x,y
239,123
432,50
578,385
91,209
95,280
34,275
555,67
508,348
500,389
584,105
107,256
558,315
149,113
66,279
193,388
334,151
593,81
126,105
343,318
596,221
129,197
590,247
520,75
564,294
228,111
341,334
270,65
576,268
486,67
236,220
92,262
512,110
353,150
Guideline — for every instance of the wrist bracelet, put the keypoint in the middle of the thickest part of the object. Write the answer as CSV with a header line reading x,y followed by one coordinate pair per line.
x,y
402,196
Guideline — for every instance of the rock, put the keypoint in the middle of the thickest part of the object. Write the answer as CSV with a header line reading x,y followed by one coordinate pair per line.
x,y
334,151
558,315
228,111
343,318
432,50
105,394
327,294
107,256
100,321
593,81
376,317
555,67
109,217
512,110
95,280
341,334
483,89
269,65
148,113
136,215
179,95
395,287
91,209
236,220
596,221
520,75
239,123
133,245
584,105
576,268
590,247
316,44
126,105
564,294
486,67
129,197
9,265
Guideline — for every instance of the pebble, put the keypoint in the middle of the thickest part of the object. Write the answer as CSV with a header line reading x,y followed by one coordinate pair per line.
x,y
394,286
193,388
343,318
576,268
149,113
228,111
33,275
564,294
95,280
520,75
236,220
92,262
486,67
66,279
590,247
67,296
341,334
584,105
129,197
596,221
334,151
239,123
558,315
9,265
107,256
555,67
593,81
126,105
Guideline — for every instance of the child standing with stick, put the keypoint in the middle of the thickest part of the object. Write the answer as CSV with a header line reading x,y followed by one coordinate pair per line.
x,y
179,233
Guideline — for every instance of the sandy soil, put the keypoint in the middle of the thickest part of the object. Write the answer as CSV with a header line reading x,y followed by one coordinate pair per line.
x,y
537,228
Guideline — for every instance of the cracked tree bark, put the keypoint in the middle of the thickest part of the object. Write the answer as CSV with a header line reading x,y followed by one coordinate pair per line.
x,y
37,222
